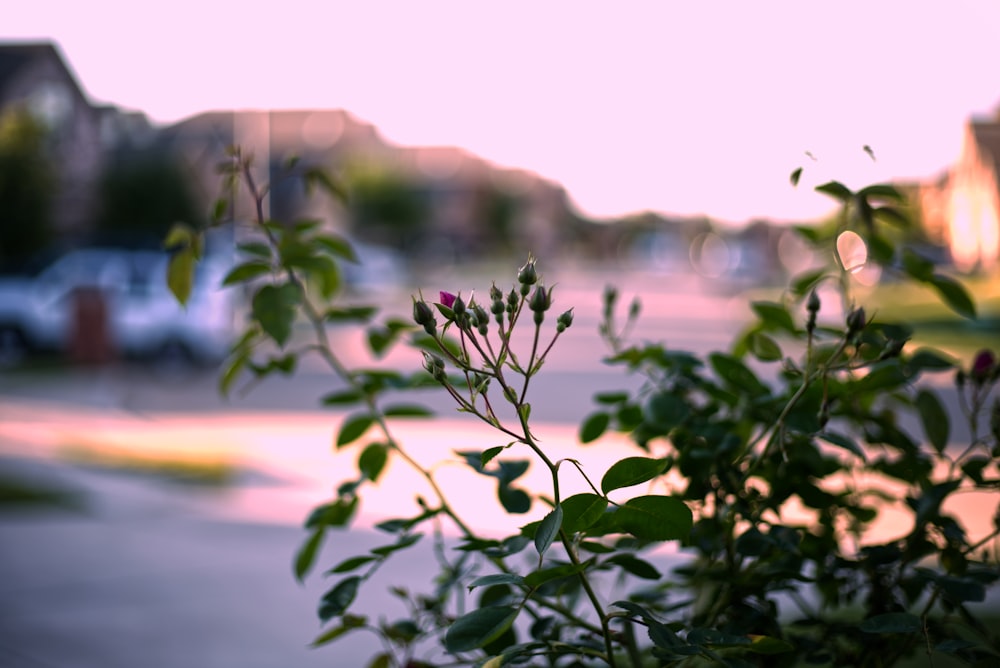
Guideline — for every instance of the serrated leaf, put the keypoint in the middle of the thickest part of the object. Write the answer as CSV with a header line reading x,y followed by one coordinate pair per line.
x,y
892,622
763,347
353,427
339,598
495,579
335,514
655,518
342,397
581,511
337,246
836,190
548,530
954,295
636,566
769,645
594,426
631,471
842,441
774,315
247,271
273,306
488,454
795,176
408,410
180,274
372,461
564,570
351,564
882,191
479,627
736,374
306,556
934,418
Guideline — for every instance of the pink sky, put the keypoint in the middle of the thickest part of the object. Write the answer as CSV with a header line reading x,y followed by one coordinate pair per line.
x,y
695,107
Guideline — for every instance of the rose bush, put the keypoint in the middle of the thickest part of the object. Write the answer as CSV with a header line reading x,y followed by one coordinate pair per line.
x,y
769,466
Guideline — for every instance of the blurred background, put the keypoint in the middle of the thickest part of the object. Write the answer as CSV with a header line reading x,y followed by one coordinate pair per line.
x,y
146,520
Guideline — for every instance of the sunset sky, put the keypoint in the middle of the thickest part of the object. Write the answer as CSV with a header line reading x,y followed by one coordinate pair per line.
x,y
693,107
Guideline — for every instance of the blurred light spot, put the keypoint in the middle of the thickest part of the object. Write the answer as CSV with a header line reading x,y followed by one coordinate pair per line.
x,y
321,130
794,253
710,255
852,251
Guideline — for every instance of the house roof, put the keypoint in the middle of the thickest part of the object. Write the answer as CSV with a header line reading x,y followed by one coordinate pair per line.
x,y
15,56
987,137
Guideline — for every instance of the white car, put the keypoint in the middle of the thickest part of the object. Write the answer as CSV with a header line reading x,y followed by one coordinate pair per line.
x,y
142,317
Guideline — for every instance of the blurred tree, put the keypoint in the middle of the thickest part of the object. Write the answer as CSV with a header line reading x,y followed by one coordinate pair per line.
x,y
141,195
386,207
27,185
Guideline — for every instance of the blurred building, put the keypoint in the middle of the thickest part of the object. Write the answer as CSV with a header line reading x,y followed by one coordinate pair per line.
x,y
962,209
464,202
35,78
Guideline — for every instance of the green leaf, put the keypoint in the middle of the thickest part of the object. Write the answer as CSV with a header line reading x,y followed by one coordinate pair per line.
x,y
769,645
934,418
513,500
764,348
255,248
882,191
337,600
246,272
774,315
488,454
231,371
404,542
408,410
563,570
581,511
636,566
353,427
548,530
382,660
337,246
666,410
655,518
180,274
479,627
926,358
917,267
842,441
306,556
804,283
495,579
350,313
273,307
372,460
954,295
836,190
736,374
351,564
892,622
334,514
342,397
631,471
350,623
795,176
594,426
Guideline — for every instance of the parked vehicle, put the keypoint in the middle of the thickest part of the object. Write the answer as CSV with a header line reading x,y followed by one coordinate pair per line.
x,y
142,317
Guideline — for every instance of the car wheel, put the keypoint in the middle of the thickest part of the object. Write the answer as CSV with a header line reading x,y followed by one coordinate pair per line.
x,y
13,348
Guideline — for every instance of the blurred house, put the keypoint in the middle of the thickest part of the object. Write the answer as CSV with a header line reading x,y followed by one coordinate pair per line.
x,y
466,202
34,78
962,209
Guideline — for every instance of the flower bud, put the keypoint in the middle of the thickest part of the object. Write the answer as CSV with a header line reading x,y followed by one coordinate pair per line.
x,y
982,366
512,300
856,320
496,295
422,313
527,275
482,318
564,320
812,305
447,299
458,305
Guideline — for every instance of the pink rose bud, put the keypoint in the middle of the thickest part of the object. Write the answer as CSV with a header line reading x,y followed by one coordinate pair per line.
x,y
447,299
983,365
